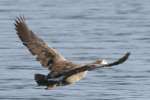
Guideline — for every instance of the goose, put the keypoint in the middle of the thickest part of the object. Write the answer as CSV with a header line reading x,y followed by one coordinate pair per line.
x,y
61,71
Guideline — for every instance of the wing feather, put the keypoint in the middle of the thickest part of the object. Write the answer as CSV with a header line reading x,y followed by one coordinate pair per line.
x,y
90,67
45,55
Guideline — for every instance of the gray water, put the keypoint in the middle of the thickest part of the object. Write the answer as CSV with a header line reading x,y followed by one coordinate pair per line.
x,y
82,30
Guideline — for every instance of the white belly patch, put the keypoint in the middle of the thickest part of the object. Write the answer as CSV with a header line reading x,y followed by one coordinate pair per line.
x,y
76,77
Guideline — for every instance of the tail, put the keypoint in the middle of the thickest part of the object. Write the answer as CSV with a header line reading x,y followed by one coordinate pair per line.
x,y
41,79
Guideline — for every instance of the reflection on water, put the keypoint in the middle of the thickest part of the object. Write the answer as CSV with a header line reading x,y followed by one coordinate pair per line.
x,y
82,31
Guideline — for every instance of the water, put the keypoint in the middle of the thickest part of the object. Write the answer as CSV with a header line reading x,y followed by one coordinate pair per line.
x,y
82,30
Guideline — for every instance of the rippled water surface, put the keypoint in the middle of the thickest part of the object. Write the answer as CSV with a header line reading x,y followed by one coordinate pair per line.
x,y
82,30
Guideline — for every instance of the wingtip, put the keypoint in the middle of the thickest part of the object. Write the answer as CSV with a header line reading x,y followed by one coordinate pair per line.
x,y
124,58
128,54
20,19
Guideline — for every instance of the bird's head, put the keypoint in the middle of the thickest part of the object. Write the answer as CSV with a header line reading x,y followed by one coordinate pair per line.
x,y
101,61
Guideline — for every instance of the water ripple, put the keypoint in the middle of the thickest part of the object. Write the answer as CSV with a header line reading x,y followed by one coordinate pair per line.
x,y
83,31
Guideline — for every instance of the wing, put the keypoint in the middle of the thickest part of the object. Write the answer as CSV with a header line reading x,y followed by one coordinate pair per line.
x,y
90,67
47,56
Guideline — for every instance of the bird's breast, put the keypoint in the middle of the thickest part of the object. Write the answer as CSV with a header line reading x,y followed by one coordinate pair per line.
x,y
76,77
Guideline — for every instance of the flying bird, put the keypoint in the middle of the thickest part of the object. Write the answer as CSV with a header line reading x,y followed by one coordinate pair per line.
x,y
61,71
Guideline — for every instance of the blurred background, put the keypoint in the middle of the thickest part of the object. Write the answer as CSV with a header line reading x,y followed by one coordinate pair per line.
x,y
82,30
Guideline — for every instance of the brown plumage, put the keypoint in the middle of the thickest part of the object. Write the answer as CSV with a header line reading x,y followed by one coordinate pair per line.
x,y
62,71
48,57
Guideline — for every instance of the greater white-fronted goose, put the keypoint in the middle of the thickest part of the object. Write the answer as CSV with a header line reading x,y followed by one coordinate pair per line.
x,y
62,71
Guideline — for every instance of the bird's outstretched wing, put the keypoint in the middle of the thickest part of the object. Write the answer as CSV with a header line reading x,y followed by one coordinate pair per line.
x,y
90,67
35,45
